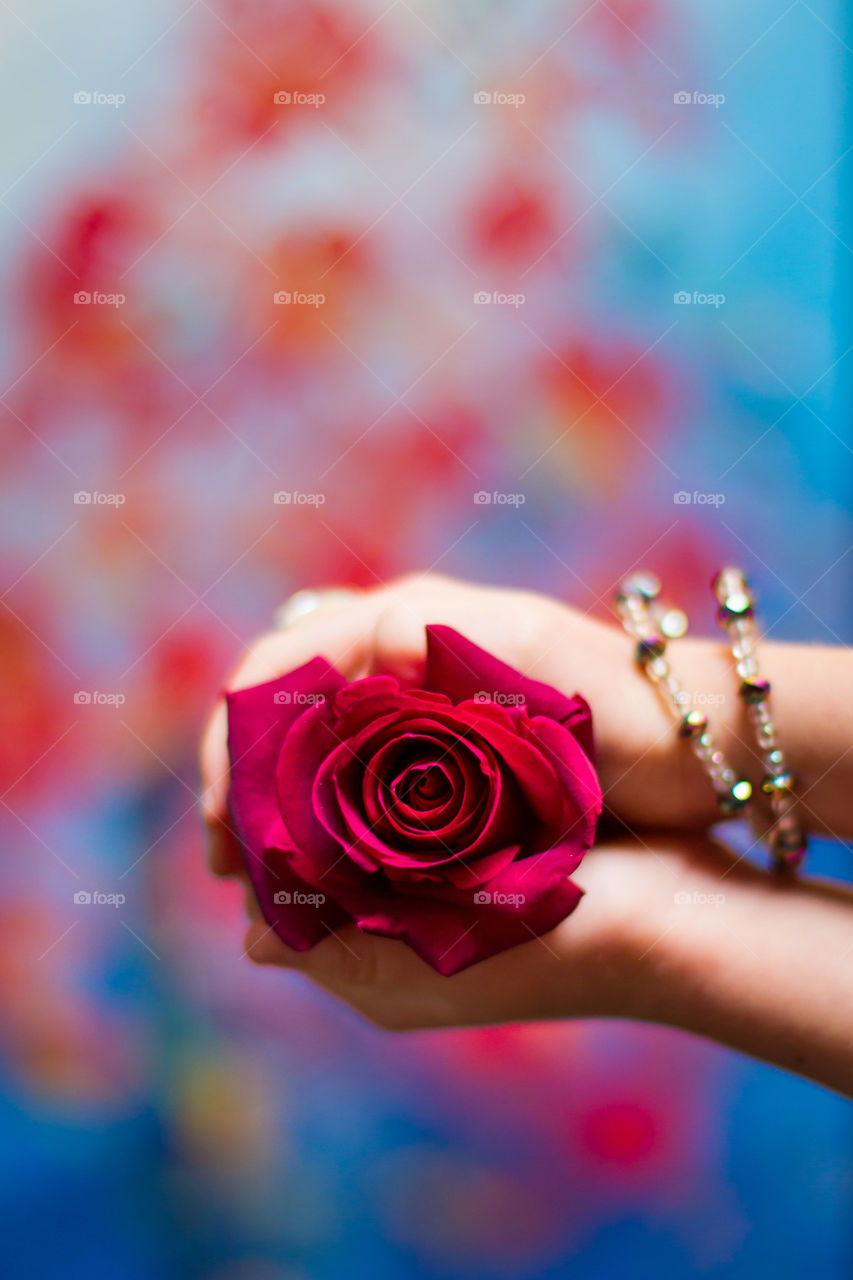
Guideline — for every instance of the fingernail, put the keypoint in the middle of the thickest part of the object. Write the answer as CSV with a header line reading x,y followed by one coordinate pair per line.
x,y
302,603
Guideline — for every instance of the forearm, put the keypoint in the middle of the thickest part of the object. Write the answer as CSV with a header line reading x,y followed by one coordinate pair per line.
x,y
760,964
650,776
812,706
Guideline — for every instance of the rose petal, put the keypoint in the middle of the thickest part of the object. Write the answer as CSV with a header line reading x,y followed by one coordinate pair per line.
x,y
576,774
452,936
365,701
337,801
308,744
533,766
298,921
258,720
458,667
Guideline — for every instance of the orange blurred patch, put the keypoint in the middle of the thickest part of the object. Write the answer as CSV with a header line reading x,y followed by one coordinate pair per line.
x,y
259,49
601,405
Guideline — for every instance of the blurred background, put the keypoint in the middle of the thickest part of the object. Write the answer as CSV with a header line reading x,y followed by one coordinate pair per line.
x,y
319,292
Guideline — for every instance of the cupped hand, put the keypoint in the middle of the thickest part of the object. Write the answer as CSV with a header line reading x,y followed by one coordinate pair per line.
x,y
592,963
614,957
647,775
673,928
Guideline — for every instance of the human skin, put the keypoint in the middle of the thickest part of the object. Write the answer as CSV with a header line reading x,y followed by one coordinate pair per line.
x,y
674,928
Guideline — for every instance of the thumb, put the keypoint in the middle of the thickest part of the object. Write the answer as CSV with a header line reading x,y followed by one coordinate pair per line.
x,y
398,644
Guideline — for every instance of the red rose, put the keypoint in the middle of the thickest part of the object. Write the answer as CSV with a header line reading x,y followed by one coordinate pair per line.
x,y
450,816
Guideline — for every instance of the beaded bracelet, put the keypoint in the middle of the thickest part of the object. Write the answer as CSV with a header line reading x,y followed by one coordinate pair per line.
x,y
736,616
637,605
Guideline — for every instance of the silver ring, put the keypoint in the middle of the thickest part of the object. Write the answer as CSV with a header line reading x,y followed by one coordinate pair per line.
x,y
303,603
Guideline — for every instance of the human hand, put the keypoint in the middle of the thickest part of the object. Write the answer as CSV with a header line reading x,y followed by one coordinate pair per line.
x,y
673,928
647,775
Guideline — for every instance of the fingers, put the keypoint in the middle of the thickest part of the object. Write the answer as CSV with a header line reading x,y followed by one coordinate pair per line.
x,y
381,979
358,632
385,982
380,630
340,628
513,625
336,629
303,603
340,633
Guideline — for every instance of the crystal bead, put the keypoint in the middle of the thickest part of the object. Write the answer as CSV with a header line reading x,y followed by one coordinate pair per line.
x,y
736,605
739,796
754,690
673,623
789,846
642,584
649,648
775,759
778,783
693,723
727,580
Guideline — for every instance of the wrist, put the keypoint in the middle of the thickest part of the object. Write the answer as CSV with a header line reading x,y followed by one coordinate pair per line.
x,y
663,918
649,773
618,958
